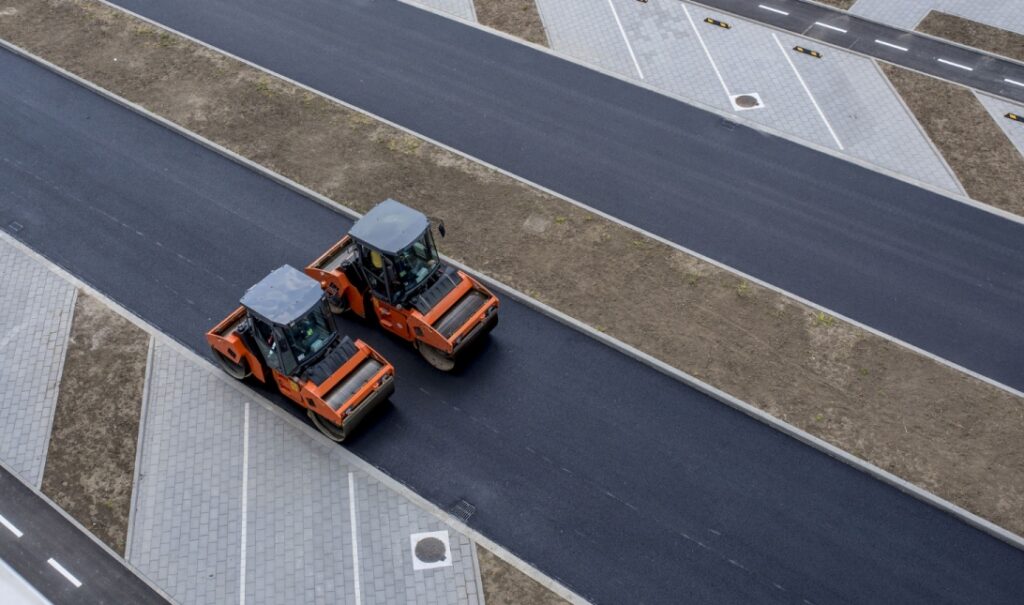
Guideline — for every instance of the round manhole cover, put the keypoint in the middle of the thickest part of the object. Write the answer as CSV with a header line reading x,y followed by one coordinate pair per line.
x,y
431,550
747,101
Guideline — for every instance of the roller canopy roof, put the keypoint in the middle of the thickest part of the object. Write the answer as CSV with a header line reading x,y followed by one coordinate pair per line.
x,y
389,227
283,296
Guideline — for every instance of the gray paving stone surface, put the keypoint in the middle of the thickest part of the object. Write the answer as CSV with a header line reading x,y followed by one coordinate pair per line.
x,y
36,308
870,121
187,527
460,8
1005,14
998,108
586,30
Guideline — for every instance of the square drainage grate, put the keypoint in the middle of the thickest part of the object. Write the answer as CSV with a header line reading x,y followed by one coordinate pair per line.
x,y
15,226
462,511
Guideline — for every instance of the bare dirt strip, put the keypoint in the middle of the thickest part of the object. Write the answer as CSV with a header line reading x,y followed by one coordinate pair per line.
x,y
506,585
90,462
519,18
934,426
971,33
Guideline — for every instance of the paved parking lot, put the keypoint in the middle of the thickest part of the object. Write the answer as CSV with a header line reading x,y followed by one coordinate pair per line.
x,y
840,101
231,494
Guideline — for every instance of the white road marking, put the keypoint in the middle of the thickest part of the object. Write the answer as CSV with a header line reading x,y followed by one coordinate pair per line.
x,y
955,64
1014,82
706,51
808,91
355,535
245,505
832,27
10,526
64,572
891,45
772,9
629,46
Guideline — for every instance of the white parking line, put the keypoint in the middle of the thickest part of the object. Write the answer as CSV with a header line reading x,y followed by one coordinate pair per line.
x,y
891,45
355,536
10,526
808,91
832,27
706,51
64,572
1014,82
629,46
245,505
772,9
955,64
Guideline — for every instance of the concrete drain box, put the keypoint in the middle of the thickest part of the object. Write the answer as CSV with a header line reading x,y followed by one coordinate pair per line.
x,y
430,550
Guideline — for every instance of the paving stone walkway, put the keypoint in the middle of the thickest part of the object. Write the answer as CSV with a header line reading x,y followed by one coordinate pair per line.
x,y
202,438
998,108
36,307
462,9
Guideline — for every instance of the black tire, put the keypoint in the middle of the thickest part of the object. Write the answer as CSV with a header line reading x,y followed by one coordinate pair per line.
x,y
238,371
329,429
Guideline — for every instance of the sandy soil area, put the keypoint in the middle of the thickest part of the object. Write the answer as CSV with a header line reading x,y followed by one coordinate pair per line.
x,y
506,585
974,34
517,17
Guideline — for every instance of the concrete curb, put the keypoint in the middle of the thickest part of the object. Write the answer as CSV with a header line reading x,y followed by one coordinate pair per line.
x,y
136,473
64,513
803,436
734,118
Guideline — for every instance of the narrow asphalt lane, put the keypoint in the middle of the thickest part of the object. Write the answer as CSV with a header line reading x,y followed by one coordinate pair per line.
x,y
974,68
934,272
622,483
46,535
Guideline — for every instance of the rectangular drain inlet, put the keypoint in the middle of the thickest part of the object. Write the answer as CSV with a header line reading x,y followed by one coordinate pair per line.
x,y
462,511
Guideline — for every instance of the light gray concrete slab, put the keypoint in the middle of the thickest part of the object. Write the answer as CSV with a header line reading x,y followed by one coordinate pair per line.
x,y
36,308
998,108
298,503
462,9
868,116
187,530
587,31
1005,14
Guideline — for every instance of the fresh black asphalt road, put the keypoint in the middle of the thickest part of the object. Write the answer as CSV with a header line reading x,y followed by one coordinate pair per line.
x,y
47,534
939,274
966,66
626,485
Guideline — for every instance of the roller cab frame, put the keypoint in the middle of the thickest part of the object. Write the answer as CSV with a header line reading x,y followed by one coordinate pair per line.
x,y
388,268
284,334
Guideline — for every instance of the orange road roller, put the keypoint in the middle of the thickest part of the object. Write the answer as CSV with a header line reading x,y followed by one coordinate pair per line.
x,y
387,269
284,333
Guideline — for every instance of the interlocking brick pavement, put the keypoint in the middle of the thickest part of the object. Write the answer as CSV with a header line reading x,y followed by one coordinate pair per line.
x,y
460,8
186,533
36,307
998,108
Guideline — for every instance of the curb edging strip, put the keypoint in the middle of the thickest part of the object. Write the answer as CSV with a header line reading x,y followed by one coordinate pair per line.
x,y
687,379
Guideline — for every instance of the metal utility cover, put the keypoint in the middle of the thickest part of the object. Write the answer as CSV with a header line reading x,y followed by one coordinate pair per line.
x,y
389,227
283,296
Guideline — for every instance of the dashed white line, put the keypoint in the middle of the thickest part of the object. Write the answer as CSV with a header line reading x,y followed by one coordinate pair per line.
x,y
70,578
629,46
832,27
808,91
355,536
891,45
772,9
706,51
964,67
245,505
10,526
1014,82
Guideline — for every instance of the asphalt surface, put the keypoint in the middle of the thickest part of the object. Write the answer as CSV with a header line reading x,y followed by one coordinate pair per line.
x,y
622,483
973,68
47,534
939,274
